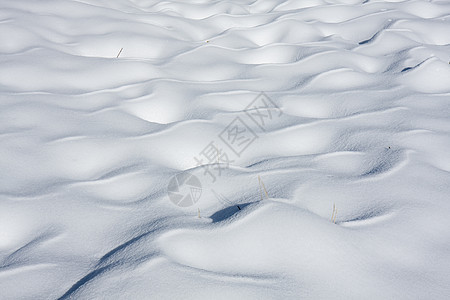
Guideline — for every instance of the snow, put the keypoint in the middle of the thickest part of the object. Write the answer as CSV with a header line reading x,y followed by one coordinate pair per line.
x,y
102,103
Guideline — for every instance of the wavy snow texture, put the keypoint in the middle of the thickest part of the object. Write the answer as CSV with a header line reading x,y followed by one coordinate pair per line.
x,y
89,143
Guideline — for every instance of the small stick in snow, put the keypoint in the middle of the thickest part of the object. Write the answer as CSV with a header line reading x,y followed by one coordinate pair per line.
x,y
119,52
198,213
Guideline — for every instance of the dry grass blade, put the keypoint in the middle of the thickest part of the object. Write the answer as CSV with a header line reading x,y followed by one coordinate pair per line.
x,y
334,214
262,187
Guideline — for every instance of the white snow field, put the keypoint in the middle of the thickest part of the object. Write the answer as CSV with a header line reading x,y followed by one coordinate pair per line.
x,y
139,159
